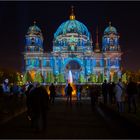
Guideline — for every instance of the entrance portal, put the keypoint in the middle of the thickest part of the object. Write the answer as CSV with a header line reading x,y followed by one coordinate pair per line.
x,y
75,69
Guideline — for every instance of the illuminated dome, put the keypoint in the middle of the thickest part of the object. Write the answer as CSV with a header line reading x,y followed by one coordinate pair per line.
x,y
34,29
72,35
110,29
72,26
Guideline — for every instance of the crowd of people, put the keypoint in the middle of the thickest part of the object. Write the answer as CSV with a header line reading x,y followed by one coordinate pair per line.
x,y
11,89
12,98
38,99
121,94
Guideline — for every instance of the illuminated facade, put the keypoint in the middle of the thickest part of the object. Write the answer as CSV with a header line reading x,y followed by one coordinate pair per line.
x,y
74,50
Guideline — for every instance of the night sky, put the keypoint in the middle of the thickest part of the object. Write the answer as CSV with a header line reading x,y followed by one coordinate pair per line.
x,y
16,17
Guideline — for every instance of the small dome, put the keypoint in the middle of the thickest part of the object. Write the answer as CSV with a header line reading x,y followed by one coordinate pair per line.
x,y
110,29
34,29
72,26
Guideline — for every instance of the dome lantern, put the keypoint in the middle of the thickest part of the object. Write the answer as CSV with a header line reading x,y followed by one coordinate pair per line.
x,y
72,16
110,29
34,29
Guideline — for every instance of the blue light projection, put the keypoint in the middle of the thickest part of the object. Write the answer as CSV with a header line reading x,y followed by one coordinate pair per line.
x,y
94,62
72,45
110,40
101,63
44,63
73,26
110,29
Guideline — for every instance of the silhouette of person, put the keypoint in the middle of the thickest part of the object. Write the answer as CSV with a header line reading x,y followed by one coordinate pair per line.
x,y
119,94
105,91
27,93
69,93
39,106
1,89
66,87
93,95
111,87
131,92
52,93
78,92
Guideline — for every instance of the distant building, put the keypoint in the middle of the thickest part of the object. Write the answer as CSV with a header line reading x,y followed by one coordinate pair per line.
x,y
74,50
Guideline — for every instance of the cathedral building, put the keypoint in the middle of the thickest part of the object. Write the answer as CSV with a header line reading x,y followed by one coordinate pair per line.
x,y
73,50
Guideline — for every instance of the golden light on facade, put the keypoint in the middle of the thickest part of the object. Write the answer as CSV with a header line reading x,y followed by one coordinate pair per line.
x,y
74,89
111,74
72,17
47,89
32,73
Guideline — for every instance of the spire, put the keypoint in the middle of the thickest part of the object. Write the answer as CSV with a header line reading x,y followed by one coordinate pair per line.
x,y
72,16
97,42
97,49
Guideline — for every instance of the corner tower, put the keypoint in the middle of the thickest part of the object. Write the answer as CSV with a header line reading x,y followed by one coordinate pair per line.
x,y
112,53
110,40
34,39
33,53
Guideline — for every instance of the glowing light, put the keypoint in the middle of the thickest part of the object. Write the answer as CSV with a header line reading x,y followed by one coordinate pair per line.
x,y
32,73
74,89
70,79
111,74
73,42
